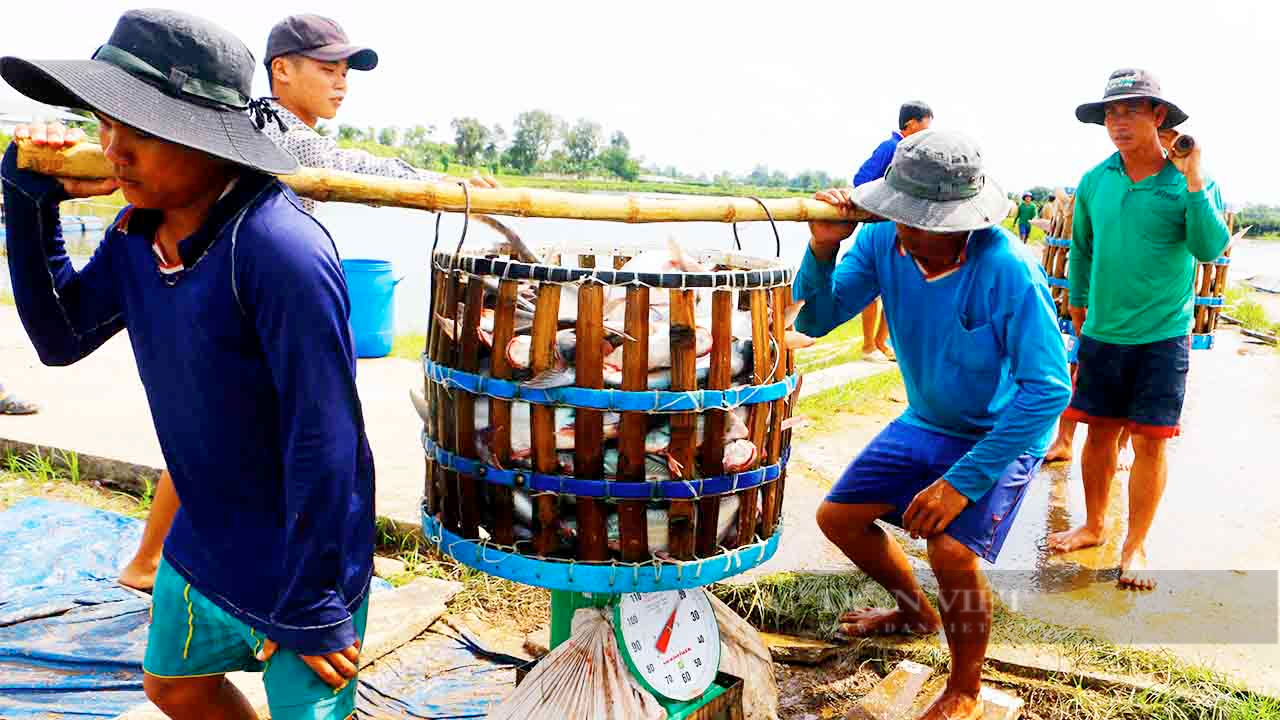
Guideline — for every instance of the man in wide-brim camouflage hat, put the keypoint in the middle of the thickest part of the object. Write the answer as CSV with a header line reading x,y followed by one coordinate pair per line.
x,y
985,371
1143,218
237,309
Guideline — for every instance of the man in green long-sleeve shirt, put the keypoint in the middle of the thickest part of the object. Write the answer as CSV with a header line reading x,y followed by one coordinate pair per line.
x,y
1142,220
1026,213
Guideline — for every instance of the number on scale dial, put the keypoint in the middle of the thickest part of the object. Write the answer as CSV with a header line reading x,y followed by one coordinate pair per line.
x,y
671,641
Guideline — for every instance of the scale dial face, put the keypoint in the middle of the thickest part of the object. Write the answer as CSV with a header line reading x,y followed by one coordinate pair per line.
x,y
670,640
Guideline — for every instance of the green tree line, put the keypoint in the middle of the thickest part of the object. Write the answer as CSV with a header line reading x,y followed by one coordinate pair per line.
x,y
540,143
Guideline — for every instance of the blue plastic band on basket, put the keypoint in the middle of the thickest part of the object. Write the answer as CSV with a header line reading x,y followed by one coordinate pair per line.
x,y
1224,260
515,270
691,488
1210,300
602,577
650,401
1056,242
1202,342
1058,282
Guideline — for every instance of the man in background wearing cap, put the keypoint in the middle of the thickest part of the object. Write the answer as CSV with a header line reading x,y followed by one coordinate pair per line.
x,y
236,308
913,117
1026,213
1141,222
307,60
986,376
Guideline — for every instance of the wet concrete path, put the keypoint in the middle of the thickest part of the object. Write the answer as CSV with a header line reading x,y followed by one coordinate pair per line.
x,y
1216,538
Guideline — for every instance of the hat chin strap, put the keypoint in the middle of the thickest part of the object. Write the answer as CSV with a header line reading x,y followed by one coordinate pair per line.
x,y
177,82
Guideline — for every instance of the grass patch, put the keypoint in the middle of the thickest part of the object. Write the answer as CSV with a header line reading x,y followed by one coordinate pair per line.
x,y
56,476
494,600
409,346
1242,306
1037,235
840,346
810,604
824,409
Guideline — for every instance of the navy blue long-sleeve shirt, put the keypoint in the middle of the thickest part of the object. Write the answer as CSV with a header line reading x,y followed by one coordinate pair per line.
x,y
874,167
247,360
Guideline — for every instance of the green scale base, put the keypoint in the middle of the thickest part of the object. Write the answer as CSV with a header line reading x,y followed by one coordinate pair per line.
x,y
565,603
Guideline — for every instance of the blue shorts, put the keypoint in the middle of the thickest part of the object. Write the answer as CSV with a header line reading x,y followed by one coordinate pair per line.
x,y
191,637
1139,386
904,459
1024,231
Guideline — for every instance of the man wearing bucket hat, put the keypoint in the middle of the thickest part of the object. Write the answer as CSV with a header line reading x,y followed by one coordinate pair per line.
x,y
307,61
1141,222
985,373
237,311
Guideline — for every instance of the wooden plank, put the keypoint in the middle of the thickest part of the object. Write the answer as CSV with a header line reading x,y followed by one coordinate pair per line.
x,y
773,447
633,528
504,321
588,460
470,495
758,415
542,417
684,376
434,474
712,452
446,404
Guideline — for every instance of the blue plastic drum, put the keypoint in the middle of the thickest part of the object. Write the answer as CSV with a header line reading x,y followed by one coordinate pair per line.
x,y
372,289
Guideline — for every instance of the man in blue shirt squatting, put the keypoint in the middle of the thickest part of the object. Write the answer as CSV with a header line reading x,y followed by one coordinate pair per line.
x,y
236,308
986,377
913,117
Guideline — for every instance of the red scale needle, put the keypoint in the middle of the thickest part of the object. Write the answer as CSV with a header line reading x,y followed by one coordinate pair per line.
x,y
665,637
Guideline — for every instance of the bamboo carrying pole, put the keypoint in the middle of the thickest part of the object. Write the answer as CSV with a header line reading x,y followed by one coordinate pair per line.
x,y
87,161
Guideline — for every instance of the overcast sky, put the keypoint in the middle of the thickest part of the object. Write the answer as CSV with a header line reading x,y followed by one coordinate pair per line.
x,y
709,86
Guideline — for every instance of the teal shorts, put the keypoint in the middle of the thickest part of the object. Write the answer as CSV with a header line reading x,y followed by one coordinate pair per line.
x,y
191,637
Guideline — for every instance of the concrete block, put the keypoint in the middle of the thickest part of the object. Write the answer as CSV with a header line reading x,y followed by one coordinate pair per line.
x,y
894,695
798,650
385,567
538,642
1000,705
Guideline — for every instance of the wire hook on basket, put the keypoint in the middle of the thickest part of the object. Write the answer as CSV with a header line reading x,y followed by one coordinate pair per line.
x,y
777,238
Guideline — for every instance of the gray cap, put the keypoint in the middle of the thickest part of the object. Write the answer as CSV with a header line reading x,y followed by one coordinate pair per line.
x,y
1130,84
936,183
319,38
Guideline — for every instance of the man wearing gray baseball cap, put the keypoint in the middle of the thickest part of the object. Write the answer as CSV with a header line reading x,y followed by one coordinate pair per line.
x,y
985,370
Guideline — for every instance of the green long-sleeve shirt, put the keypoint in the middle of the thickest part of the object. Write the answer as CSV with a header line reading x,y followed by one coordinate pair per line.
x,y
1134,248
1026,212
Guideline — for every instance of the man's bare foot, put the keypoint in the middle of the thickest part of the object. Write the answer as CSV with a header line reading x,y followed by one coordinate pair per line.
x,y
1060,452
1074,539
1134,572
139,575
954,705
888,352
866,622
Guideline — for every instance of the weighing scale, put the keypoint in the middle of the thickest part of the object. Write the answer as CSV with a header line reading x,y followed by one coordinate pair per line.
x,y
670,641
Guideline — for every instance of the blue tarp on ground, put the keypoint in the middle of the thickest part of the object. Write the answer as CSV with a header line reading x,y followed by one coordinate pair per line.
x,y
71,639
440,675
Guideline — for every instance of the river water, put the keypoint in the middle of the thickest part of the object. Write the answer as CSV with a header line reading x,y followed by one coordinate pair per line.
x,y
404,237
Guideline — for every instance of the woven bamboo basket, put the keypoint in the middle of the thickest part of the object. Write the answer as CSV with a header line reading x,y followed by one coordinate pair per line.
x,y
578,500
1209,286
